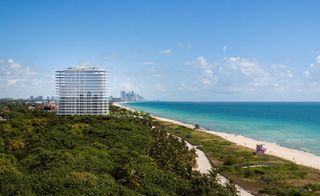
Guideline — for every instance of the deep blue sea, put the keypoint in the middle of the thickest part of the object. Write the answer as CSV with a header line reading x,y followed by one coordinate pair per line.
x,y
290,124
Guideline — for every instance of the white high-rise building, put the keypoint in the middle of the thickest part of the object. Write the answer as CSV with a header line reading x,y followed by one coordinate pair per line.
x,y
82,90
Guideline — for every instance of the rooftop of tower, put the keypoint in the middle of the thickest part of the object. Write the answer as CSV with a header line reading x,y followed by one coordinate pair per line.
x,y
83,67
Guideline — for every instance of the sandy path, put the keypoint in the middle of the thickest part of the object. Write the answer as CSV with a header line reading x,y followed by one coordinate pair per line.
x,y
204,166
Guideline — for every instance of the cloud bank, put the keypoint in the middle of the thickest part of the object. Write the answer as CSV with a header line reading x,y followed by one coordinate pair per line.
x,y
243,77
18,80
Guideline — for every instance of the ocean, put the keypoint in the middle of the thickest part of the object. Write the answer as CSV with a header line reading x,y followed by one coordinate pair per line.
x,y
290,124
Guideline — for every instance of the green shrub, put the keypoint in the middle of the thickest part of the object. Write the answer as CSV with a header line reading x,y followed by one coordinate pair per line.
x,y
266,179
248,173
229,161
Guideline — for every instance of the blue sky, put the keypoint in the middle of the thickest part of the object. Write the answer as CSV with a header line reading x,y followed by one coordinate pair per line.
x,y
168,50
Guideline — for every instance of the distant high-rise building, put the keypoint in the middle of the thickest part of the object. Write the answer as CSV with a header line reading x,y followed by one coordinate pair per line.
x,y
123,96
82,90
130,96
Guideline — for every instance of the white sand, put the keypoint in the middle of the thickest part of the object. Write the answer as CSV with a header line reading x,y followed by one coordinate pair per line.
x,y
297,156
203,164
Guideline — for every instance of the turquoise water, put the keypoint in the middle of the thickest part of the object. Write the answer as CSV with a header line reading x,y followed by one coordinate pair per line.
x,y
293,125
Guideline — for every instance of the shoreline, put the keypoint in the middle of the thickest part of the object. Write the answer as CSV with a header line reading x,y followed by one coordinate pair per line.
x,y
293,155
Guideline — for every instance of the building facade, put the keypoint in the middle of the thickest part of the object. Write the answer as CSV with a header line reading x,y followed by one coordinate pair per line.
x,y
82,90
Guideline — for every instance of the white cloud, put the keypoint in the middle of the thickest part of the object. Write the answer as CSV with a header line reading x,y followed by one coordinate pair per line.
x,y
318,59
312,73
237,74
307,74
207,76
14,74
184,45
148,63
19,80
166,52
202,63
14,65
11,82
224,48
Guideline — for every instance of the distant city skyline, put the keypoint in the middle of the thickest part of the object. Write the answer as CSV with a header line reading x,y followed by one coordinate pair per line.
x,y
197,50
130,96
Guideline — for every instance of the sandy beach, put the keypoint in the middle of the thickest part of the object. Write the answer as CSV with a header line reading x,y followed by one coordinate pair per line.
x,y
296,156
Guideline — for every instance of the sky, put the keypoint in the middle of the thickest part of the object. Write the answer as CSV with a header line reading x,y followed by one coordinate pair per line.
x,y
178,50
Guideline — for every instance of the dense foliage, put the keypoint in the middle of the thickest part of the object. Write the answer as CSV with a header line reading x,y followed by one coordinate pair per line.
x,y
126,153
